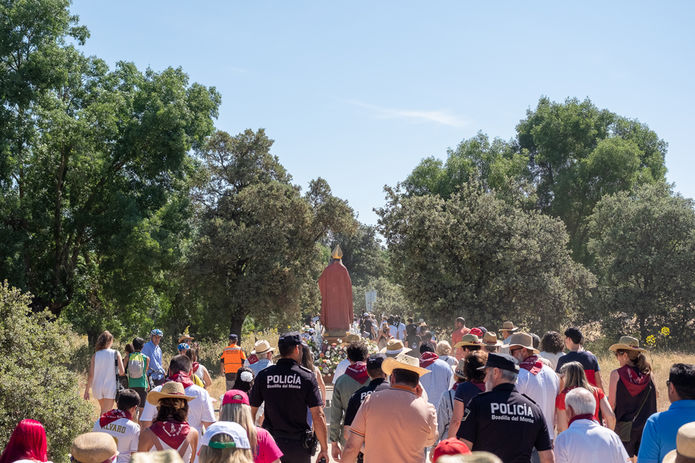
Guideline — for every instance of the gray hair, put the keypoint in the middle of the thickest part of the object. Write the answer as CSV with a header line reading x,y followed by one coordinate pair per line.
x,y
581,400
509,375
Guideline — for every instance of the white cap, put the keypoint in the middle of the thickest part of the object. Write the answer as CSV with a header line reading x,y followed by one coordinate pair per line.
x,y
232,429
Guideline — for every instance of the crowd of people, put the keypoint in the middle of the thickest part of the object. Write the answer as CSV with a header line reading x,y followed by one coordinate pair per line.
x,y
473,397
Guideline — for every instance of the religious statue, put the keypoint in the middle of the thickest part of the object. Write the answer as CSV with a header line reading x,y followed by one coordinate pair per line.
x,y
336,296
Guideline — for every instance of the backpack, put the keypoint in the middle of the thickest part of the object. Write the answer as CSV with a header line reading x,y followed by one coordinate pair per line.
x,y
136,365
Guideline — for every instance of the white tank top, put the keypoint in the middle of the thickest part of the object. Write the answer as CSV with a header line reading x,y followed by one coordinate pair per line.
x,y
104,370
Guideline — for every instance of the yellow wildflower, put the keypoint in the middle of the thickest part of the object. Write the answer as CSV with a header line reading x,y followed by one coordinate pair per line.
x,y
651,340
665,331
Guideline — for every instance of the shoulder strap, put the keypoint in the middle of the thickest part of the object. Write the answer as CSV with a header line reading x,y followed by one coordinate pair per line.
x,y
183,448
157,443
646,397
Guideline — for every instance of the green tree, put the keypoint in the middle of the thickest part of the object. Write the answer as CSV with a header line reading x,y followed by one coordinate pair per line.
x,y
94,168
578,153
479,255
643,248
257,251
391,298
495,165
35,381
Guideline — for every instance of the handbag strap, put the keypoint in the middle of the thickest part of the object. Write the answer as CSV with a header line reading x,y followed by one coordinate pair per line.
x,y
646,397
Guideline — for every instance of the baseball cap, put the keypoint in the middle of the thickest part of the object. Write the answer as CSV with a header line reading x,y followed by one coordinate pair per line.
x,y
451,446
233,336
293,338
156,332
476,331
235,396
501,361
183,346
240,439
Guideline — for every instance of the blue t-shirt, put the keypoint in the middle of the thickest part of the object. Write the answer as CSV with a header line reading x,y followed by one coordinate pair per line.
x,y
466,391
586,358
661,429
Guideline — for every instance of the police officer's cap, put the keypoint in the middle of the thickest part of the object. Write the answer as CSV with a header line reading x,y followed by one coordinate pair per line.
x,y
501,361
293,338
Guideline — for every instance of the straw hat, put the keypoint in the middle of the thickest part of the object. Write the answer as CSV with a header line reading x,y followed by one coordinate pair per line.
x,y
170,390
403,362
394,348
93,447
508,326
522,340
627,343
490,340
262,347
469,340
685,445
185,337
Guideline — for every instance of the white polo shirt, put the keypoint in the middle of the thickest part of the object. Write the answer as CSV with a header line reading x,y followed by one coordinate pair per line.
x,y
126,433
199,409
586,440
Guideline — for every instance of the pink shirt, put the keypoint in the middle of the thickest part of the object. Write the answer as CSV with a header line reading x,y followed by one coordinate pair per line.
x,y
268,450
396,425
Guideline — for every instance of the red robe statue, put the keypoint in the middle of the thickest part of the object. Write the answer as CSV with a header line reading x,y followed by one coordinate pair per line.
x,y
336,298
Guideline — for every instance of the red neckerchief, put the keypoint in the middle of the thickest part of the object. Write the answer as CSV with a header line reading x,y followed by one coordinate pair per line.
x,y
479,385
171,433
453,388
113,415
182,378
358,372
195,367
633,380
253,358
428,359
532,364
587,416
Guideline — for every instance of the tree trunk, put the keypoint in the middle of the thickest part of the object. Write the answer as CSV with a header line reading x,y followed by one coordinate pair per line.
x,y
235,325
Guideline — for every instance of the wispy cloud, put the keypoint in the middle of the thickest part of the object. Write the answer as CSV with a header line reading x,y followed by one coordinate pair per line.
x,y
438,116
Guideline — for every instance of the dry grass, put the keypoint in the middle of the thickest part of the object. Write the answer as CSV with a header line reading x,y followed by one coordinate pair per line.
x,y
661,363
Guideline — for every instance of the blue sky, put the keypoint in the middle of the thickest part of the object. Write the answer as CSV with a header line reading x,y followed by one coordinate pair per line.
x,y
360,92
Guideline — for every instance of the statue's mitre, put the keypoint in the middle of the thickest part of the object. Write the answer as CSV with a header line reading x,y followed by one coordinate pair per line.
x,y
337,252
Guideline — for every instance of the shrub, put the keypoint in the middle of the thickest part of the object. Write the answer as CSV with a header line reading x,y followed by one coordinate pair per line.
x,y
36,382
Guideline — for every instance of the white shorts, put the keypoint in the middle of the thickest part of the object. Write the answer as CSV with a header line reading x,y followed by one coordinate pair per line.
x,y
104,391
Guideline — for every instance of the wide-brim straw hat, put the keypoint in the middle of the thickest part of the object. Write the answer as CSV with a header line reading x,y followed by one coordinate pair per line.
x,y
93,447
685,444
490,340
395,347
508,326
469,340
522,340
403,362
170,390
162,456
262,347
185,338
627,343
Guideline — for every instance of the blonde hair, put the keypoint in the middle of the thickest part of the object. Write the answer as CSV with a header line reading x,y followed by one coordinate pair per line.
x,y
241,413
574,376
230,455
103,341
443,348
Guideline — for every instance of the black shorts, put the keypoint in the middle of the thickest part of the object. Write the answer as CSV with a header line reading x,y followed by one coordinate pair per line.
x,y
142,392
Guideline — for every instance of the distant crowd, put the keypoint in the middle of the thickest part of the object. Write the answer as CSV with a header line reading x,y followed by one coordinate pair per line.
x,y
471,398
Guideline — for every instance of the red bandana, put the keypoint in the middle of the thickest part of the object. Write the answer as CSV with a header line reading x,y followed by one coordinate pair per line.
x,y
358,372
171,433
111,416
195,367
587,416
532,364
633,380
479,385
253,358
428,359
182,378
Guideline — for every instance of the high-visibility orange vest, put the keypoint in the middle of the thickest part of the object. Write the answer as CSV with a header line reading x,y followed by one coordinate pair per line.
x,y
233,358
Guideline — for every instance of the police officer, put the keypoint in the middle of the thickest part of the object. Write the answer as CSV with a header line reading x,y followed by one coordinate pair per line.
x,y
376,378
503,421
288,389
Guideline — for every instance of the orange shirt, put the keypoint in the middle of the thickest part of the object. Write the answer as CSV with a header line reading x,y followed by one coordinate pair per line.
x,y
396,425
233,358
